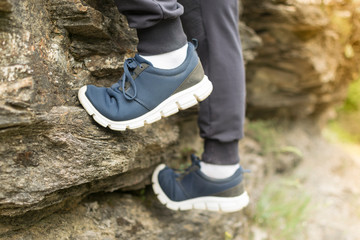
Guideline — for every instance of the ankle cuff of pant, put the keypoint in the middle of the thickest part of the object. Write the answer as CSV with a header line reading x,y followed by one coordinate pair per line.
x,y
222,153
166,36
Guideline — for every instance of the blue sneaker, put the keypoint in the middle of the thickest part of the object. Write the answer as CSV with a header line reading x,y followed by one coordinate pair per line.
x,y
145,94
194,190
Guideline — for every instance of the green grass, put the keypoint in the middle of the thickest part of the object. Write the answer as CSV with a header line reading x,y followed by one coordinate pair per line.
x,y
227,236
346,127
291,149
338,131
352,101
264,133
282,209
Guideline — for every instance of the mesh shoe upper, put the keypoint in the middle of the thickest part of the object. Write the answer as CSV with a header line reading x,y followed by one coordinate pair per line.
x,y
145,88
193,183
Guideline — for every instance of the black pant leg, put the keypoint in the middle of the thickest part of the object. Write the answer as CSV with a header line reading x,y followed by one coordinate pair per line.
x,y
215,24
157,23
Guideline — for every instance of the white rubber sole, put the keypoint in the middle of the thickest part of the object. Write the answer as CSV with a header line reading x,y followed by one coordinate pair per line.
x,y
179,101
217,204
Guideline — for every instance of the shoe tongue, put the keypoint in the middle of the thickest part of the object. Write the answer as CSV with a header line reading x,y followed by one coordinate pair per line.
x,y
139,59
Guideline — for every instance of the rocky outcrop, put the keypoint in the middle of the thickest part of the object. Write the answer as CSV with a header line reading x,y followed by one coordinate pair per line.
x,y
125,216
51,150
306,60
140,215
53,154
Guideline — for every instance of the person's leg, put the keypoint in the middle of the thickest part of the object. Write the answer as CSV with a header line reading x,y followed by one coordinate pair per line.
x,y
187,84
216,182
157,24
161,37
222,115
162,78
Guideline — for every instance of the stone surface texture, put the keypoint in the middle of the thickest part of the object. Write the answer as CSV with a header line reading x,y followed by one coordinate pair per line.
x,y
306,59
139,215
53,155
50,149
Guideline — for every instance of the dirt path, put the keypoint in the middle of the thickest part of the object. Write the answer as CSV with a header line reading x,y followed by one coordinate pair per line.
x,y
330,174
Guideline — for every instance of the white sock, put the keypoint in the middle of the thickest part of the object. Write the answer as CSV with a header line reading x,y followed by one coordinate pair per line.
x,y
168,60
218,171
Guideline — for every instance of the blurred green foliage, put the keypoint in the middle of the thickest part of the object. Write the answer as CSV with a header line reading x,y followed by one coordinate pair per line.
x,y
283,208
346,127
352,101
264,133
